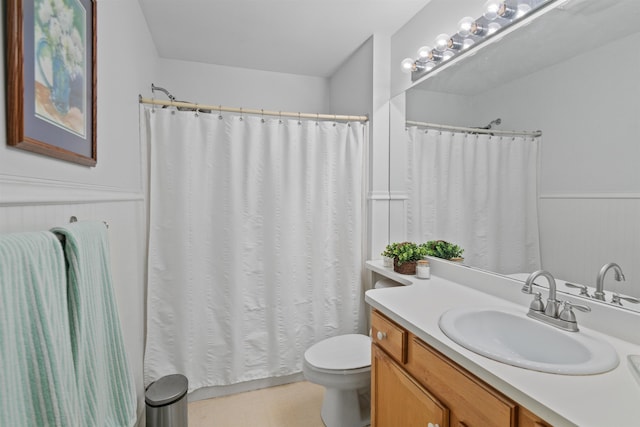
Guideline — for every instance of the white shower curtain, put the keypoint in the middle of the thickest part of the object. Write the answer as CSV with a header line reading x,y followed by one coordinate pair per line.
x,y
255,246
479,191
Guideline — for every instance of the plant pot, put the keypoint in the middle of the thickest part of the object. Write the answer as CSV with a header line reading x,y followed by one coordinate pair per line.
x,y
408,267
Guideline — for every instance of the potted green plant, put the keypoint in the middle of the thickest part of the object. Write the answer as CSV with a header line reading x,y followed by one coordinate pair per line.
x,y
405,255
445,250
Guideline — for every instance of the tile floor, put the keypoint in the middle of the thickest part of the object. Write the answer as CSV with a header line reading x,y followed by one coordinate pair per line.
x,y
290,405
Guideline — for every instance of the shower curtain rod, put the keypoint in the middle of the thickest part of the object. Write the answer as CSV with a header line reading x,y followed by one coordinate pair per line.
x,y
475,130
220,108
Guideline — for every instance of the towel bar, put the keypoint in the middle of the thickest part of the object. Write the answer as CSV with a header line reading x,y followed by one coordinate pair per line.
x,y
75,219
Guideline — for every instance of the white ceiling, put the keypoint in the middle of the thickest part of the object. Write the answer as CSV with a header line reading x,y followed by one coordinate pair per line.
x,y
308,37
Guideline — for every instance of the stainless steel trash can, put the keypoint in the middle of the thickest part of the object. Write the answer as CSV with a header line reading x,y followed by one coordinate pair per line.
x,y
167,402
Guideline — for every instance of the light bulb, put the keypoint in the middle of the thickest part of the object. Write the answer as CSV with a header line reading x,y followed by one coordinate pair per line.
x,y
491,9
467,43
424,53
442,41
408,65
429,66
492,28
464,26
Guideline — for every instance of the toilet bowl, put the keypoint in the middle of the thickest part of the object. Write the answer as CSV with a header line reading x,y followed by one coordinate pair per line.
x,y
342,364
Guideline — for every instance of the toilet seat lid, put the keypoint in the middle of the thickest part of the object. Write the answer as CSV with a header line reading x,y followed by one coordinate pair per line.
x,y
351,351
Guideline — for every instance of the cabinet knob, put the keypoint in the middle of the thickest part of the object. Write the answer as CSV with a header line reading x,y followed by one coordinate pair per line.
x,y
381,335
433,425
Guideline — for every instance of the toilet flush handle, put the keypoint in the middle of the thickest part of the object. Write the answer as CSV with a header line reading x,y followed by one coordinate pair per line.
x,y
381,335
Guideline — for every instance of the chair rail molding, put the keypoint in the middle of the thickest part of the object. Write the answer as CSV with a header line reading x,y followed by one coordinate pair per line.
x,y
21,191
387,195
590,196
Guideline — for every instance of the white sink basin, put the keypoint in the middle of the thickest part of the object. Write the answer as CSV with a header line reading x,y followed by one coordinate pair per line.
x,y
511,337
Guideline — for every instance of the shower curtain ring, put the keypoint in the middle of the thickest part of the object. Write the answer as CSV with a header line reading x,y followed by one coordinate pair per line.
x,y
262,115
317,119
241,118
335,120
220,112
197,115
299,122
280,115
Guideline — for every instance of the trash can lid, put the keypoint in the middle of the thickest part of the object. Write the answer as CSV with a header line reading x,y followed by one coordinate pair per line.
x,y
166,390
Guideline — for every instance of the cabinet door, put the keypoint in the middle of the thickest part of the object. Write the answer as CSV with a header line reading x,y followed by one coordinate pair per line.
x,y
471,402
397,400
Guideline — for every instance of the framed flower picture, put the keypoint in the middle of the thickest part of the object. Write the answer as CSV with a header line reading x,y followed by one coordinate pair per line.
x,y
51,78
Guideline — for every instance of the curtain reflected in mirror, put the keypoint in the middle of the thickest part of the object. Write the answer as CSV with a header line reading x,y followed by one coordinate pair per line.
x,y
478,191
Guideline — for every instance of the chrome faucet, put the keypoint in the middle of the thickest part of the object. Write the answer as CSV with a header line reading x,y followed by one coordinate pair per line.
x,y
565,319
552,304
619,276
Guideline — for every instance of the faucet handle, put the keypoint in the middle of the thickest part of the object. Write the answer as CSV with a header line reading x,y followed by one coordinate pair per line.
x,y
583,289
537,304
615,299
567,311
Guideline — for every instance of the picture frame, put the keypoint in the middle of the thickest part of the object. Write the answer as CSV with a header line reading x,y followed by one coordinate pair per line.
x,y
51,78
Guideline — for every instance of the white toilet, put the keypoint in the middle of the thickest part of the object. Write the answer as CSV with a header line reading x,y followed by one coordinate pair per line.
x,y
342,364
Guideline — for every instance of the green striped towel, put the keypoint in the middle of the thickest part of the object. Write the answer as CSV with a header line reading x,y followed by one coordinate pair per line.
x,y
105,386
37,378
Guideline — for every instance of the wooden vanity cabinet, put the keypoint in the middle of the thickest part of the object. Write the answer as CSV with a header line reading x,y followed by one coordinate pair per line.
x,y
412,384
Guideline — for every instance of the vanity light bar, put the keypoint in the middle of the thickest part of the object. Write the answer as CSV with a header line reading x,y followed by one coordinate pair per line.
x,y
498,15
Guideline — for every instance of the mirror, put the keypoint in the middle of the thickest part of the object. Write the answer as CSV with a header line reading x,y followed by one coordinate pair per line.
x,y
574,74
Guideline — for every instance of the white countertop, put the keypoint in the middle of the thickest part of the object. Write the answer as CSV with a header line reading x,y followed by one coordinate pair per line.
x,y
609,399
